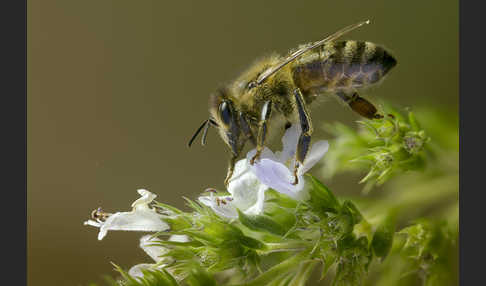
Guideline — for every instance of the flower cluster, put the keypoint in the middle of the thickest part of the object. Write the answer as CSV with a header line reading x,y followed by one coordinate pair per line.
x,y
273,170
386,146
266,231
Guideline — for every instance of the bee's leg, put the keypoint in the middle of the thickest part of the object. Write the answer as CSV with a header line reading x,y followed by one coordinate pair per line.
x,y
262,129
287,125
231,168
305,136
245,127
360,105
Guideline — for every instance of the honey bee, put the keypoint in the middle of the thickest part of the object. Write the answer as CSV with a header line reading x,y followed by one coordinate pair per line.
x,y
284,87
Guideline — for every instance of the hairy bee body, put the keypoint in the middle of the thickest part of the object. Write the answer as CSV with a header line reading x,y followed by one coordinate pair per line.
x,y
343,65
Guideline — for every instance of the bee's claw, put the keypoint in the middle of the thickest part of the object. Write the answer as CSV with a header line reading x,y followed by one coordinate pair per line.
x,y
296,181
256,157
296,178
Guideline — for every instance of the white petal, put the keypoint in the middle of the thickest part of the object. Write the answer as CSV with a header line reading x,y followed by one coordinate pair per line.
x,y
136,270
257,208
245,188
289,141
241,168
179,238
227,210
317,151
138,220
92,223
277,176
148,244
266,153
147,198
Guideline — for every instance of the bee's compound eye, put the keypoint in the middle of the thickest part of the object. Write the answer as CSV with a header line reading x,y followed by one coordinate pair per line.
x,y
225,111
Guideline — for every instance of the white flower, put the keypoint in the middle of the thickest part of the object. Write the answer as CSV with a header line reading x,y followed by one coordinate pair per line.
x,y
247,194
276,170
149,244
141,218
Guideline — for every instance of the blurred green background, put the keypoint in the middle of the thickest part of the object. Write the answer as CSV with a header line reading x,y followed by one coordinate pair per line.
x,y
116,88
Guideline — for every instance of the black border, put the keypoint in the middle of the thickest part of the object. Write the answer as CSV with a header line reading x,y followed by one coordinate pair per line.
x,y
14,115
471,143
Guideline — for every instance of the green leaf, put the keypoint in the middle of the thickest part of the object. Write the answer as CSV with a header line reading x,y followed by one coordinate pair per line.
x,y
383,238
322,200
260,223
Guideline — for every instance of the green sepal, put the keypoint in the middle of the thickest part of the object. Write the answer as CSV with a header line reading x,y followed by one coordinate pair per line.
x,y
251,242
383,238
350,209
322,200
272,196
328,260
150,277
168,208
178,222
199,277
260,223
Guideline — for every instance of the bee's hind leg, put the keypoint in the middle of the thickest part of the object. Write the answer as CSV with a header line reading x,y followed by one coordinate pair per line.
x,y
360,105
262,129
305,136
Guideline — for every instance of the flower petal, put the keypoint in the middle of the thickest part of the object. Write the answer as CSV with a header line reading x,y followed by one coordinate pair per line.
x,y
317,151
146,198
266,153
289,141
277,176
136,270
245,188
179,238
227,210
149,244
257,208
138,220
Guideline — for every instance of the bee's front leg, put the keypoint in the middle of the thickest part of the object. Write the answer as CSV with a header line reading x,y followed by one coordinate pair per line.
x,y
305,136
231,168
262,129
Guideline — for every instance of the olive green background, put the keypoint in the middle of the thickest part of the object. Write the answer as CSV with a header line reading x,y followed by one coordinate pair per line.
x,y
116,88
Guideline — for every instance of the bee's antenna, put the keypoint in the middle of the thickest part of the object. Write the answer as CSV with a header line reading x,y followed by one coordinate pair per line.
x,y
204,124
205,133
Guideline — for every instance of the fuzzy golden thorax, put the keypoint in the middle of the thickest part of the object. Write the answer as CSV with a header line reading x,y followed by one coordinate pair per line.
x,y
236,107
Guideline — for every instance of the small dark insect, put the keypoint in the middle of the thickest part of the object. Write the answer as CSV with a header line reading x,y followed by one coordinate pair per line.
x,y
99,215
286,86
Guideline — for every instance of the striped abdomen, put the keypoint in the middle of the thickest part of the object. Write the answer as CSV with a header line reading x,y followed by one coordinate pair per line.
x,y
341,65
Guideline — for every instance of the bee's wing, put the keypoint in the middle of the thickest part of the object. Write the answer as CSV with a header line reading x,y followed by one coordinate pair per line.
x,y
267,73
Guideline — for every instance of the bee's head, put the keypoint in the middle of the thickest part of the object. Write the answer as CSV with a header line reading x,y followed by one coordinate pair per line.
x,y
225,118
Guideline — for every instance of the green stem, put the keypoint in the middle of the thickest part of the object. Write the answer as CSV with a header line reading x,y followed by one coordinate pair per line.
x,y
284,246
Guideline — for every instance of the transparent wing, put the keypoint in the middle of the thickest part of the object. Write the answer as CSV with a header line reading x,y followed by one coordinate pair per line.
x,y
267,73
